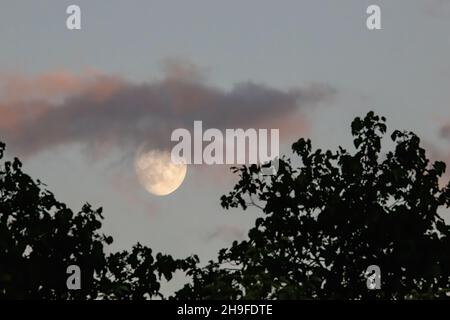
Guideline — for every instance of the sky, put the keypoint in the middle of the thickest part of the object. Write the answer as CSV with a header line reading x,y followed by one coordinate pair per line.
x,y
76,106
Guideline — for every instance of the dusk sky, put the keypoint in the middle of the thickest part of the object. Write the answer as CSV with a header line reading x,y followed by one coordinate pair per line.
x,y
76,106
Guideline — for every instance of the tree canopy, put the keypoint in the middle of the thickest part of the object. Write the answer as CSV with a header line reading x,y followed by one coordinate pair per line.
x,y
330,217
325,217
40,237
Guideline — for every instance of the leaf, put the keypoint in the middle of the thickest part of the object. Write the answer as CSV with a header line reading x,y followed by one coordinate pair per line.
x,y
357,126
440,167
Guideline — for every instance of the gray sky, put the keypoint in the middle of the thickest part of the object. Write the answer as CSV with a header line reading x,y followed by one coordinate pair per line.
x,y
401,72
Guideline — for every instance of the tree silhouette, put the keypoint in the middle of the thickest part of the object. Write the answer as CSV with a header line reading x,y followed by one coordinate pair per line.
x,y
326,217
40,237
329,218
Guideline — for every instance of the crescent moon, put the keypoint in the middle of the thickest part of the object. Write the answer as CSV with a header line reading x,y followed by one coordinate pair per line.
x,y
157,173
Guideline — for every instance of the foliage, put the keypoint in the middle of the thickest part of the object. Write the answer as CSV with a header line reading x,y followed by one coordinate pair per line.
x,y
325,221
40,237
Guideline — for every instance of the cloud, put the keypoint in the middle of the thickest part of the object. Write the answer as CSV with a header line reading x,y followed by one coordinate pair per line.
x,y
52,86
103,112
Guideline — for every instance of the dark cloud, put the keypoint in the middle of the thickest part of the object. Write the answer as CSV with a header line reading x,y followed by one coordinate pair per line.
x,y
103,113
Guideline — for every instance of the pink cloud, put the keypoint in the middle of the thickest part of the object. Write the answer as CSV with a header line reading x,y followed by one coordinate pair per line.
x,y
103,112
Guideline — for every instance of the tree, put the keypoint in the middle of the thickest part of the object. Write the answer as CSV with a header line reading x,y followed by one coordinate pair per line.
x,y
40,237
325,217
329,218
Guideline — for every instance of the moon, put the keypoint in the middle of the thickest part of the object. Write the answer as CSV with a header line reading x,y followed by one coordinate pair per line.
x,y
157,173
